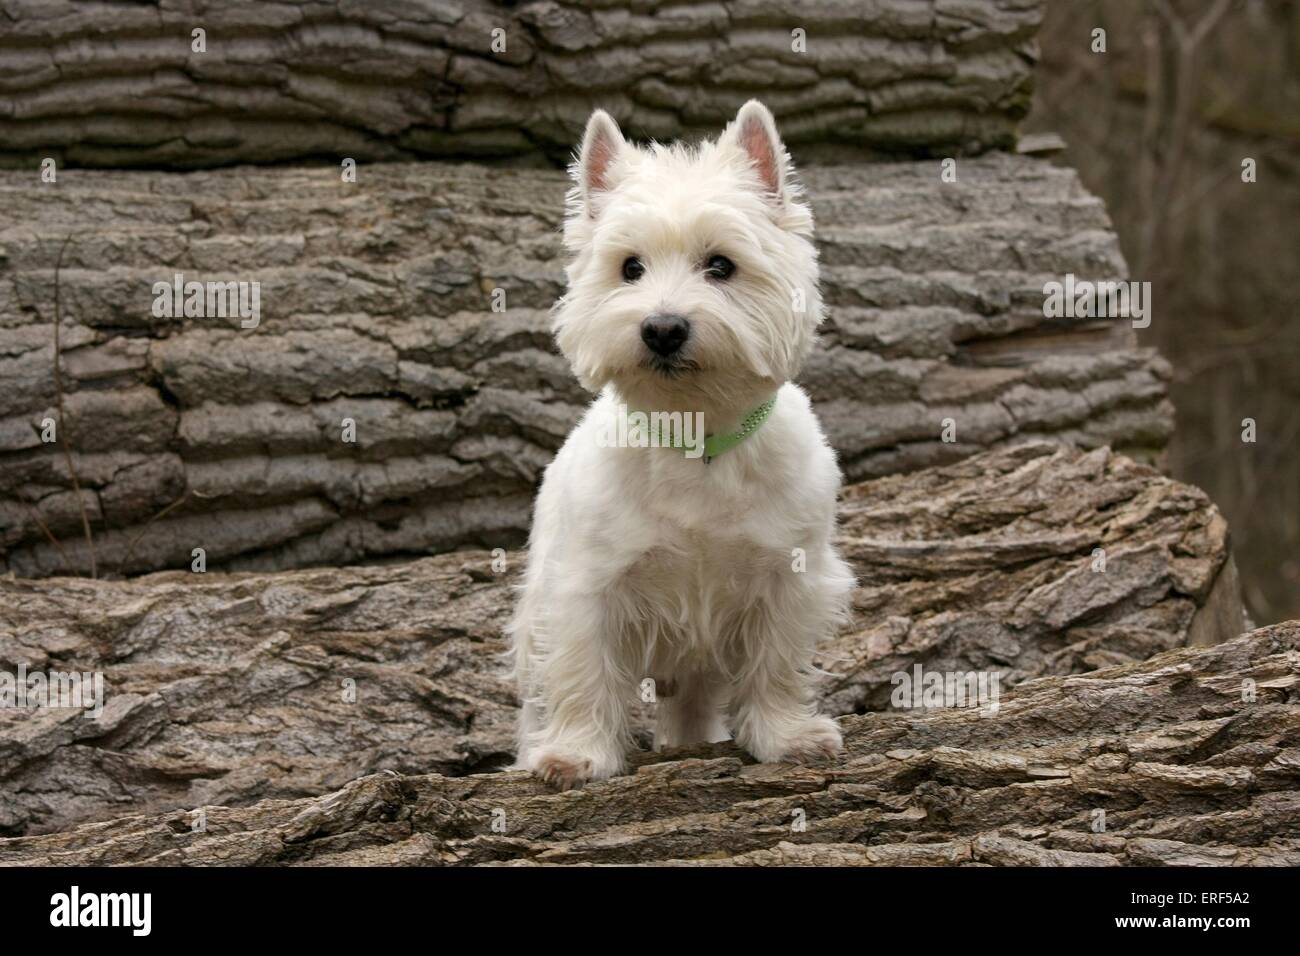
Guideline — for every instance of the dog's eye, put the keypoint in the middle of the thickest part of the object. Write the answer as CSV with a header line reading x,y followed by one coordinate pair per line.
x,y
632,269
719,267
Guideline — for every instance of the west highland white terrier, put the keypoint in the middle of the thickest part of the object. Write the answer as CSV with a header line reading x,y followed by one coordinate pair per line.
x,y
703,564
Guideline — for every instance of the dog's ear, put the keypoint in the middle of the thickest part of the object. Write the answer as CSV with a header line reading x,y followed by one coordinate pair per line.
x,y
753,131
601,145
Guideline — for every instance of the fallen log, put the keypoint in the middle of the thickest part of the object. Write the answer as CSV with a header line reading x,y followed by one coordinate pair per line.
x,y
1190,758
228,689
414,304
108,84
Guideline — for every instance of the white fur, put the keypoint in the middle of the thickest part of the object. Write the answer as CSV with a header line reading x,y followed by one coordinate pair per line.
x,y
645,562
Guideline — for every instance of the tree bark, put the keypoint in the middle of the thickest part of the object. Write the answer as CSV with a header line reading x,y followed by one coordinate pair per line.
x,y
108,84
377,306
227,689
1189,758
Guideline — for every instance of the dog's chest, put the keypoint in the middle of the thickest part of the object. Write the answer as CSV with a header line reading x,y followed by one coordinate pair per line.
x,y
698,584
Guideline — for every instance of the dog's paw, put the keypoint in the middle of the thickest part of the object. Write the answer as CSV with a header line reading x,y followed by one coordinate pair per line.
x,y
817,741
561,770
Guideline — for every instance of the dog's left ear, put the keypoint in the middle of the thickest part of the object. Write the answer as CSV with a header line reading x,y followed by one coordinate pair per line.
x,y
754,132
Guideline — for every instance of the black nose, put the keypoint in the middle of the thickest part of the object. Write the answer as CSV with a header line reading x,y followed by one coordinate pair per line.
x,y
665,334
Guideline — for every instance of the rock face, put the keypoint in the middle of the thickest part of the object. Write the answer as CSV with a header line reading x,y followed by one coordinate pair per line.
x,y
226,689
1191,757
111,84
376,306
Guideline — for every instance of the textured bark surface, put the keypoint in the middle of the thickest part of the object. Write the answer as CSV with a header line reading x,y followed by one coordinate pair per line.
x,y
377,306
110,84
1192,757
225,689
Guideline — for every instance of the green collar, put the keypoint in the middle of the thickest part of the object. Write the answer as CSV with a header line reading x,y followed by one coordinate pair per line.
x,y
715,445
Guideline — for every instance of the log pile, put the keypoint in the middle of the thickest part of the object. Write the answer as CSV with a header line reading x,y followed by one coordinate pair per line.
x,y
1189,758
379,305
95,83
227,689
397,393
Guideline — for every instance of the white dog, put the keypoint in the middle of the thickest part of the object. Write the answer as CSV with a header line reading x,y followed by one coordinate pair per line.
x,y
692,291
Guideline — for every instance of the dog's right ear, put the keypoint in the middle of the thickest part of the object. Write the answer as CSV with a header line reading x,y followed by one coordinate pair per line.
x,y
601,145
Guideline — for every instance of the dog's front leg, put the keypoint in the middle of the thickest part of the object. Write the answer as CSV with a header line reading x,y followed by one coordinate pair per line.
x,y
773,713
588,691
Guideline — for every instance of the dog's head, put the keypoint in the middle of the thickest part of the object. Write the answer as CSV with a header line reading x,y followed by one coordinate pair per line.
x,y
693,272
